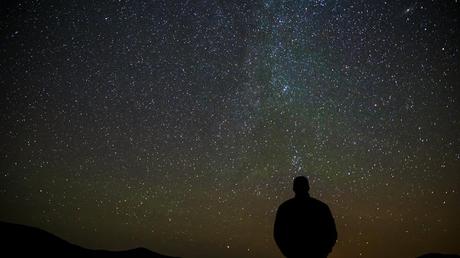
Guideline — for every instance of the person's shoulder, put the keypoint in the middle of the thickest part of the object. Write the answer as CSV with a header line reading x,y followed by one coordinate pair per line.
x,y
319,203
288,203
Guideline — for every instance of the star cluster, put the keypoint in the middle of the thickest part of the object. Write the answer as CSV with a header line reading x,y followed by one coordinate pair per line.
x,y
179,125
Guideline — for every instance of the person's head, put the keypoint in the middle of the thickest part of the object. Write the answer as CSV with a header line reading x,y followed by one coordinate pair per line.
x,y
301,186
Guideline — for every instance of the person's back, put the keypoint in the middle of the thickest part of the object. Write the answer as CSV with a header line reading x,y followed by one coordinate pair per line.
x,y
304,226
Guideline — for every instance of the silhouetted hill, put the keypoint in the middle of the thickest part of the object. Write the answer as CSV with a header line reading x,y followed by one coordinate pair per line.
x,y
433,255
24,241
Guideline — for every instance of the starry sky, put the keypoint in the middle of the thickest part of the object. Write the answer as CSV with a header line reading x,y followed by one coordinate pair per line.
x,y
179,125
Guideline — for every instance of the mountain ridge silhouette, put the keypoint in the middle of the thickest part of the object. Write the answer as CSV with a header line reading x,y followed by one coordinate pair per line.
x,y
26,241
438,255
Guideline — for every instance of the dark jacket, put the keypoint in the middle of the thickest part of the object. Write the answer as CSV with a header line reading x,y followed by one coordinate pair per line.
x,y
304,227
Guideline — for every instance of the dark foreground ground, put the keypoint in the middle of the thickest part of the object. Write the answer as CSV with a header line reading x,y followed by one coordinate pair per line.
x,y
24,241
435,255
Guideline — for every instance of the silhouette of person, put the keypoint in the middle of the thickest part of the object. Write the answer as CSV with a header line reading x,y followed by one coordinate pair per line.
x,y
304,226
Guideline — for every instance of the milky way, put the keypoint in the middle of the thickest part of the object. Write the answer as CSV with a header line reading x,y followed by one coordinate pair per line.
x,y
179,125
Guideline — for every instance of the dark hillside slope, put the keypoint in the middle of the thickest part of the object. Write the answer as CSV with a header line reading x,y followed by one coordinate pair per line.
x,y
24,241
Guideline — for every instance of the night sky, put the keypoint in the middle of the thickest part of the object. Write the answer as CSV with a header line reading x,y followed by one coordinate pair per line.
x,y
180,125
